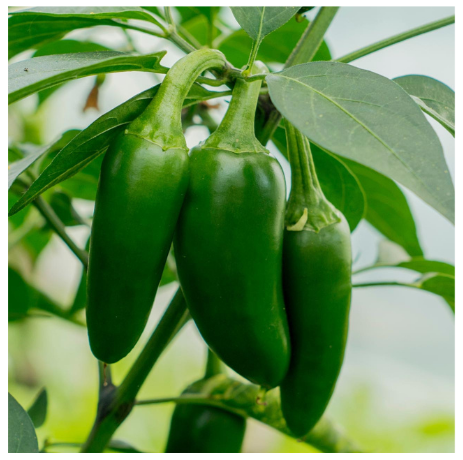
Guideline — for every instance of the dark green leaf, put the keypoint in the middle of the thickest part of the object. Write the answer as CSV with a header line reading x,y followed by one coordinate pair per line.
x,y
190,12
38,411
433,97
387,208
198,27
80,298
275,48
338,183
122,447
64,47
36,74
21,433
62,205
19,296
94,140
369,119
259,21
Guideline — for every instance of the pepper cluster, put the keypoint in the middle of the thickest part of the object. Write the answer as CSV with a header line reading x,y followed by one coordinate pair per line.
x,y
268,283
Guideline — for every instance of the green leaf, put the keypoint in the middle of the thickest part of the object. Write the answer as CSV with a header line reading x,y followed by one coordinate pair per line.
x,y
338,183
259,21
439,284
369,119
19,296
122,447
36,74
80,298
275,48
64,47
433,97
387,208
95,139
240,398
38,411
198,27
62,205
32,155
21,433
34,27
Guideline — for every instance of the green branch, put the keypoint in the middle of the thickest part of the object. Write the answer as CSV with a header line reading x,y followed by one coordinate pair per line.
x,y
240,398
115,404
396,39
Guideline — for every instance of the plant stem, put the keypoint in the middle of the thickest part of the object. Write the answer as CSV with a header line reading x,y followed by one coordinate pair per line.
x,y
213,365
312,38
118,403
396,39
55,223
382,283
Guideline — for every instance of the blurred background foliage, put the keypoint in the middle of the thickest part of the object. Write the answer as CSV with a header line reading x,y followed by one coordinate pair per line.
x,y
396,391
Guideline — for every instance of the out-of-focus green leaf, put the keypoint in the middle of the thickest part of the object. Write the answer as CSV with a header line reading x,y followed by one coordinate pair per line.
x,y
259,21
433,97
62,205
387,208
36,74
19,296
94,140
275,48
34,27
439,284
369,119
21,432
338,183
122,447
38,411
80,298
198,27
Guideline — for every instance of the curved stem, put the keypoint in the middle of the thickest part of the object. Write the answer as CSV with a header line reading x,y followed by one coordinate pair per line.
x,y
118,403
382,283
55,223
213,365
396,39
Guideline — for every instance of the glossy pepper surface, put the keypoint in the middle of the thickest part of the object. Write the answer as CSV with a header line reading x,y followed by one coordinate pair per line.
x,y
142,185
317,288
228,245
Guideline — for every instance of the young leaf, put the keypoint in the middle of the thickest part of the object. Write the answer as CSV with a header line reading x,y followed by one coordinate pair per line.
x,y
94,140
21,433
338,183
36,74
433,97
259,21
38,411
365,117
387,208
275,48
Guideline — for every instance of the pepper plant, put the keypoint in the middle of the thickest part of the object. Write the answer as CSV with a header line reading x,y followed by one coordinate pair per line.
x,y
277,304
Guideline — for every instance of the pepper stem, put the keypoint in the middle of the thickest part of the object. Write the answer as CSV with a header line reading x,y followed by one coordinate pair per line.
x,y
308,208
161,122
236,131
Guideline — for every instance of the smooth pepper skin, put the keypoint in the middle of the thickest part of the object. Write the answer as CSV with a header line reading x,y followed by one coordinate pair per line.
x,y
205,429
317,288
140,193
142,185
228,246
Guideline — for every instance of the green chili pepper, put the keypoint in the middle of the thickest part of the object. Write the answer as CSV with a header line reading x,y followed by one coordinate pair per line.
x,y
142,184
317,288
228,245
199,428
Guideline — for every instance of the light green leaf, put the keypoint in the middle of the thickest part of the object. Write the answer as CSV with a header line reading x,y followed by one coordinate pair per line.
x,y
95,139
433,97
21,433
36,74
259,21
19,296
387,208
369,119
38,411
439,284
